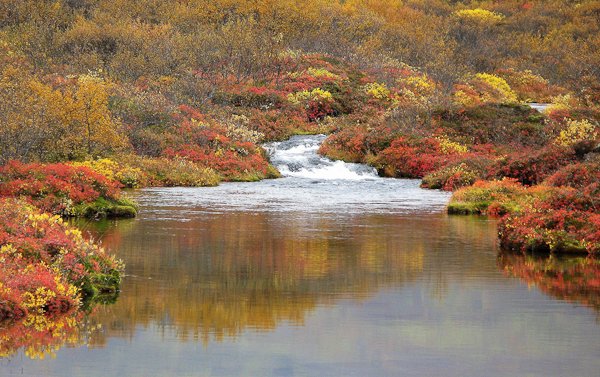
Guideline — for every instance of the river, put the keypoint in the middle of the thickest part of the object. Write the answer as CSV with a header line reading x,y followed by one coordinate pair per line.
x,y
329,271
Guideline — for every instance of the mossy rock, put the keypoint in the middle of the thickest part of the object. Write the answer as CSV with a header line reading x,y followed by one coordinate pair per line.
x,y
106,208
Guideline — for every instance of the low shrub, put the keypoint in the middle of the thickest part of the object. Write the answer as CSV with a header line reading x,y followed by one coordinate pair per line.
x,y
462,173
115,171
531,167
62,189
174,172
487,197
47,266
411,157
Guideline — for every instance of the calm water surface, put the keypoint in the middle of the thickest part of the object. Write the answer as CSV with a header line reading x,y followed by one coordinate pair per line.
x,y
330,271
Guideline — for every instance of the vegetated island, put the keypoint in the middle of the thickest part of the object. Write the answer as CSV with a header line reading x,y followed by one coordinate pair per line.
x,y
99,95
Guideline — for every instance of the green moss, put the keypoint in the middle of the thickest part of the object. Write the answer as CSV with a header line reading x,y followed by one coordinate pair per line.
x,y
462,208
107,208
272,172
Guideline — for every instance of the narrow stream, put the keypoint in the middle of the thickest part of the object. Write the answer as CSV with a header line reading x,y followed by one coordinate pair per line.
x,y
329,271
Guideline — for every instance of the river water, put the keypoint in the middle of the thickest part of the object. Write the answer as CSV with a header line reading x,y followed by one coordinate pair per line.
x,y
329,271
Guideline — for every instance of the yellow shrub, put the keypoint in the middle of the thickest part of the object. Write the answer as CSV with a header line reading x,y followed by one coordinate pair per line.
x,y
451,147
576,130
377,90
502,90
420,85
317,94
321,72
479,15
127,175
562,103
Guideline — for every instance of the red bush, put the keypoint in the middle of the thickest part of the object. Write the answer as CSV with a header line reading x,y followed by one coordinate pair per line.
x,y
46,264
414,157
51,187
531,167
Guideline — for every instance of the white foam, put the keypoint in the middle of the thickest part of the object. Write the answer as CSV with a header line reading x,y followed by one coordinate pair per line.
x,y
298,158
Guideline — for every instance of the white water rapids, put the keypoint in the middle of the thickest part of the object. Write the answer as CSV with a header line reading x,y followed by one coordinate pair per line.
x,y
297,157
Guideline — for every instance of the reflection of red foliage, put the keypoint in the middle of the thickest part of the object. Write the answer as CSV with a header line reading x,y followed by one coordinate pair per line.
x,y
575,279
41,336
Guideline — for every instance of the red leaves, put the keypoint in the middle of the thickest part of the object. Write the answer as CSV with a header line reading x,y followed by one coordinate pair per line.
x,y
50,186
413,158
531,167
45,261
232,162
565,220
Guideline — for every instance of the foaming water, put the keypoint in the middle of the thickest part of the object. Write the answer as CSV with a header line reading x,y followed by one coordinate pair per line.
x,y
311,184
541,107
297,157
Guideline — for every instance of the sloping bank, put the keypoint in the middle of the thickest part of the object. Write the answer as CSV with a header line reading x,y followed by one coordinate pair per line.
x,y
47,267
561,215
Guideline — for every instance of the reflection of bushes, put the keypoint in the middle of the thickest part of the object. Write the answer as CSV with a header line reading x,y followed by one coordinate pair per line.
x,y
42,336
223,281
571,279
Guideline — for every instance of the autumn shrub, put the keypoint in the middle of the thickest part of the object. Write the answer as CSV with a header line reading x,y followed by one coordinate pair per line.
x,y
577,175
281,124
115,171
254,96
462,173
498,124
173,172
479,15
484,88
238,162
349,144
47,266
553,230
318,103
576,131
528,86
498,197
412,157
531,167
64,189
565,219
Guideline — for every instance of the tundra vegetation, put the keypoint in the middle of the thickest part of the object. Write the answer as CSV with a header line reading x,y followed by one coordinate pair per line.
x,y
100,95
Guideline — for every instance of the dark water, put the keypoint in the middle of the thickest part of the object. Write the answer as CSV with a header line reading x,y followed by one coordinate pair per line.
x,y
314,276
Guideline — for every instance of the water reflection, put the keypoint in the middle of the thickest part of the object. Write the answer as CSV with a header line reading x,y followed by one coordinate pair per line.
x,y
575,279
215,276
300,292
43,336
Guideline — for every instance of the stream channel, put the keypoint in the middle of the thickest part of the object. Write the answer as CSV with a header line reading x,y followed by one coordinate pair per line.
x,y
329,271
